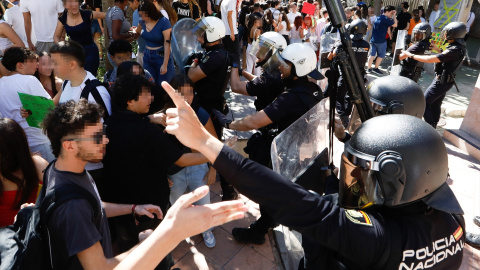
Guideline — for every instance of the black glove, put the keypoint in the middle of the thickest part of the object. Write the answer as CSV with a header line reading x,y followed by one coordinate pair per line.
x,y
221,118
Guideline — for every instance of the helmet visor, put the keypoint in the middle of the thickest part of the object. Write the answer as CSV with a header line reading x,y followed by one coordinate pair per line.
x,y
261,49
272,67
418,36
200,27
358,186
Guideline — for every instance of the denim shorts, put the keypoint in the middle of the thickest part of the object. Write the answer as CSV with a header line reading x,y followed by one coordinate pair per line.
x,y
95,27
379,49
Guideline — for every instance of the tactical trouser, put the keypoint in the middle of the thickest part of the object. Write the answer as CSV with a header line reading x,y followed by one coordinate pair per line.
x,y
434,96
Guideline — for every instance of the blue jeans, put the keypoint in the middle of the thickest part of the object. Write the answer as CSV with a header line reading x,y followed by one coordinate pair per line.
x,y
45,151
92,59
153,61
190,177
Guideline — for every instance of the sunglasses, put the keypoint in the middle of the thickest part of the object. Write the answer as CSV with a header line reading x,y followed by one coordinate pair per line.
x,y
97,137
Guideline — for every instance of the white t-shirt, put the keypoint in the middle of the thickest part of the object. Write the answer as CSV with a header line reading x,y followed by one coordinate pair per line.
x,y
229,5
422,19
291,16
44,13
73,93
10,103
320,24
284,30
471,18
14,17
433,17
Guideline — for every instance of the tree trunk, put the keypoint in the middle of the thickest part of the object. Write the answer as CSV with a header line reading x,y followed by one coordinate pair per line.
x,y
377,5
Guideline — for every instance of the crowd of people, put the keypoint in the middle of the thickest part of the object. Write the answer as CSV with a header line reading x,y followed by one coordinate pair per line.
x,y
136,145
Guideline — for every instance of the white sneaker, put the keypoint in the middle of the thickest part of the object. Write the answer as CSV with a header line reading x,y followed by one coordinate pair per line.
x,y
208,239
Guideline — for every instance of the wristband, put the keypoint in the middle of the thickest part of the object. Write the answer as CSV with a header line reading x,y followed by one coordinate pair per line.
x,y
133,208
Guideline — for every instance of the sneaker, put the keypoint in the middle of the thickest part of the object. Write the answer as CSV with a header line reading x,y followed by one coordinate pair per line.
x,y
369,70
377,71
209,239
473,240
247,236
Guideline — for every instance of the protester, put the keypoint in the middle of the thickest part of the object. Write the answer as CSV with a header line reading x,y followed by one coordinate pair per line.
x,y
269,24
255,31
187,9
155,29
8,37
77,24
413,22
14,17
421,12
434,14
117,25
403,19
22,64
165,7
229,18
296,33
20,171
293,13
47,78
283,26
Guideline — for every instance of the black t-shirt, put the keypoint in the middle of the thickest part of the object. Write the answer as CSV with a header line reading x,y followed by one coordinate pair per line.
x,y
137,158
266,88
71,225
450,58
214,64
183,10
403,18
420,48
292,104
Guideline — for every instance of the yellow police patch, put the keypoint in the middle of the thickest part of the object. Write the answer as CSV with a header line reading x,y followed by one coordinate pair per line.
x,y
358,217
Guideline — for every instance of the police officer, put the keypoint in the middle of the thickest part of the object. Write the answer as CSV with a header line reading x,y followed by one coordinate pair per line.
x,y
446,65
266,88
412,69
295,63
394,210
209,73
360,47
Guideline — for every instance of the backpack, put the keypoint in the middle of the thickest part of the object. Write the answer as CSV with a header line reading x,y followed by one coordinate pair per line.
x,y
26,244
91,88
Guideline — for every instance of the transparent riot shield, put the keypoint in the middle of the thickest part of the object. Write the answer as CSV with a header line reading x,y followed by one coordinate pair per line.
x,y
399,46
184,42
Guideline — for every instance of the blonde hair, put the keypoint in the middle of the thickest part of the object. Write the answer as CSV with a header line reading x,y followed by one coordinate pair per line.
x,y
191,7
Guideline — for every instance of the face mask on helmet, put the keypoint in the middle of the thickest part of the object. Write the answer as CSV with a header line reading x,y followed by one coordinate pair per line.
x,y
272,66
418,36
261,49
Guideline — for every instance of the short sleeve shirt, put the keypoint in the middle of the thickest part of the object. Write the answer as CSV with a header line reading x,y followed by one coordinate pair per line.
x,y
154,37
115,13
403,19
44,14
380,28
72,225
226,6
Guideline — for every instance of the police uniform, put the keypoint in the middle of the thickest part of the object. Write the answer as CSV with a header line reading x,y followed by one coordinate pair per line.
x,y
450,60
411,237
343,105
289,106
412,69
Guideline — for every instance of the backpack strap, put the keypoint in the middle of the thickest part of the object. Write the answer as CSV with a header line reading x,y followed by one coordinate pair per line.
x,y
64,84
91,88
41,195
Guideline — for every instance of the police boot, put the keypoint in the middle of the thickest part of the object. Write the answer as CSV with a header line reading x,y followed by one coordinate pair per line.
x,y
473,240
248,235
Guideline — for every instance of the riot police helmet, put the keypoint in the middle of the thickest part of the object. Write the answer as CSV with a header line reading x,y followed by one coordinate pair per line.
x,y
301,56
358,29
421,31
266,44
393,161
210,28
396,95
455,31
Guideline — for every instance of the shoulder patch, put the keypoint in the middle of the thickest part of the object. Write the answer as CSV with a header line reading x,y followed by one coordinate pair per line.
x,y
205,59
358,217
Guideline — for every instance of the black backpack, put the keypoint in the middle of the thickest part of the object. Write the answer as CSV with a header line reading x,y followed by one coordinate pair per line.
x,y
26,244
91,88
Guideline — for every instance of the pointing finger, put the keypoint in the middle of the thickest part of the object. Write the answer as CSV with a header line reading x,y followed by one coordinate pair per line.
x,y
174,95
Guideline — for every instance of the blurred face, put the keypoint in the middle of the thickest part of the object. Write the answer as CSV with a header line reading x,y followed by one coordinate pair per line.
x,y
122,57
61,65
142,105
294,8
187,93
73,6
30,66
371,11
284,71
258,23
308,21
435,7
134,4
90,144
45,66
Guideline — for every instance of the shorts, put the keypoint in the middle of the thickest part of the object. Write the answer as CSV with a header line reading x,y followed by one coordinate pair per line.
x,y
95,27
379,49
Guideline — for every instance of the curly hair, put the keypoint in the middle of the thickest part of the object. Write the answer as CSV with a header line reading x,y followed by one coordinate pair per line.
x,y
69,118
128,87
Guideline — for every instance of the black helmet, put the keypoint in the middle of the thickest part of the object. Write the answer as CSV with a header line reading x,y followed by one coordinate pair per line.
x,y
358,29
396,95
395,160
455,31
422,28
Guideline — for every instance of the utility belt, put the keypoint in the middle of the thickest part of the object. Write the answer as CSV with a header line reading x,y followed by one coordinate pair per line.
x,y
445,77
269,131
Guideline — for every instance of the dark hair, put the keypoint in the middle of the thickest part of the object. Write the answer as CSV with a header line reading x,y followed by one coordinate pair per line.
x,y
268,17
15,155
423,11
15,55
285,18
176,82
298,22
128,87
126,68
405,5
150,9
70,49
69,118
389,8
119,46
52,75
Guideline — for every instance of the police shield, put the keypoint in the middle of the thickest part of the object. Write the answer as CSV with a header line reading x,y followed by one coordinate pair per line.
x,y
184,42
399,46
300,152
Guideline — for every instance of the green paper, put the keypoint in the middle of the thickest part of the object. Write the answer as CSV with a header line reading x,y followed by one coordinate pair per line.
x,y
38,106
